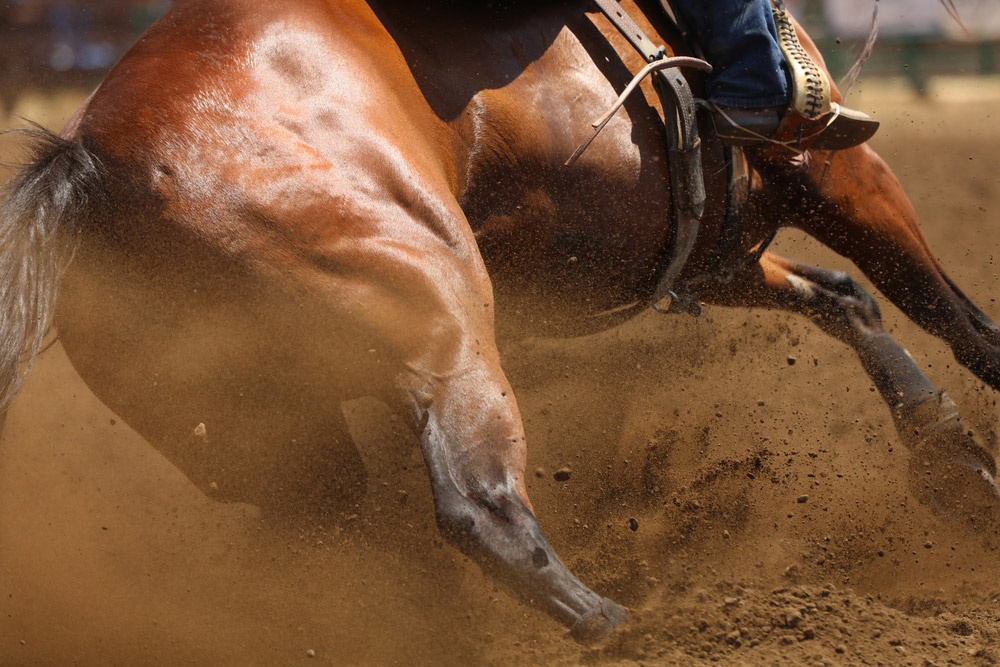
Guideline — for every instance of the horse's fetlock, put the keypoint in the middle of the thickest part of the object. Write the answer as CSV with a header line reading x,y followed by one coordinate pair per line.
x,y
937,436
936,411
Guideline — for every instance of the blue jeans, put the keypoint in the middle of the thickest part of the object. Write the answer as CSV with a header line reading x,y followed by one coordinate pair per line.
x,y
741,43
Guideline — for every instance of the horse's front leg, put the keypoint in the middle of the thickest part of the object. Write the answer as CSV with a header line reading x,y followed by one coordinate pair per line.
x,y
851,202
949,470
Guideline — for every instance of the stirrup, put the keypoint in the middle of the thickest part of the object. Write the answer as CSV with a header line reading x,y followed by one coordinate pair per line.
x,y
813,120
811,89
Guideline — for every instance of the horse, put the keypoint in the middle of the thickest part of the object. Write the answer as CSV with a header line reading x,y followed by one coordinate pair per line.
x,y
267,209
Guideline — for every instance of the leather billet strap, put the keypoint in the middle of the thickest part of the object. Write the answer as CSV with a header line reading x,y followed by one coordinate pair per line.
x,y
687,186
684,151
630,30
724,263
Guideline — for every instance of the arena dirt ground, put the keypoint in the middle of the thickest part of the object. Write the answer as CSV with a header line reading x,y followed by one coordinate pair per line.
x,y
734,480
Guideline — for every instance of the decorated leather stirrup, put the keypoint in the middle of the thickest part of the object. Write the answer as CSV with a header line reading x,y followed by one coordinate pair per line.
x,y
810,109
813,119
811,90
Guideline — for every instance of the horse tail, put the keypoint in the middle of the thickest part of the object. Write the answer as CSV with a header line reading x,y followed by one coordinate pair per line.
x,y
39,210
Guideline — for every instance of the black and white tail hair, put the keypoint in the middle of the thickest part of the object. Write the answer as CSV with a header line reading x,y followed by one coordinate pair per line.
x,y
39,210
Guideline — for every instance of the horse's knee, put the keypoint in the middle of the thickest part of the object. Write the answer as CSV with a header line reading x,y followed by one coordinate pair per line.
x,y
854,298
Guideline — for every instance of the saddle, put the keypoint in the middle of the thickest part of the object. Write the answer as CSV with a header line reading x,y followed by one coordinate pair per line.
x,y
806,120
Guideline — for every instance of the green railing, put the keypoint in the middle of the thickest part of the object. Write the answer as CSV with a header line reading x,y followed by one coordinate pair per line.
x,y
915,57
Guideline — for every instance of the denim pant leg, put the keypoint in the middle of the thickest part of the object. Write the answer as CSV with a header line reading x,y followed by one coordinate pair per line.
x,y
740,41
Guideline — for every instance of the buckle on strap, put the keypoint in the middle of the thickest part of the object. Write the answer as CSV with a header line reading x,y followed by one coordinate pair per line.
x,y
630,30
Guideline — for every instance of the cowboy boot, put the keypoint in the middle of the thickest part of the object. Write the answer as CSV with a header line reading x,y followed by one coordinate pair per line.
x,y
812,120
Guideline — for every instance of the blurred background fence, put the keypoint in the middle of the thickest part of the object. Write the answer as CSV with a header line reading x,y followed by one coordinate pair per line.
x,y
48,45
917,38
52,44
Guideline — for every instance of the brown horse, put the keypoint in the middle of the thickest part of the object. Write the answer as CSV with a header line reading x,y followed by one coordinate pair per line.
x,y
276,207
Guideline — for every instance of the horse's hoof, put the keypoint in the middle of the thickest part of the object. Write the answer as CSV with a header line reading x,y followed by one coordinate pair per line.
x,y
959,489
953,474
598,624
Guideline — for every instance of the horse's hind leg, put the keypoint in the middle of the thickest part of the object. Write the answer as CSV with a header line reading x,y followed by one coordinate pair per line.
x,y
851,202
430,306
474,447
949,470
